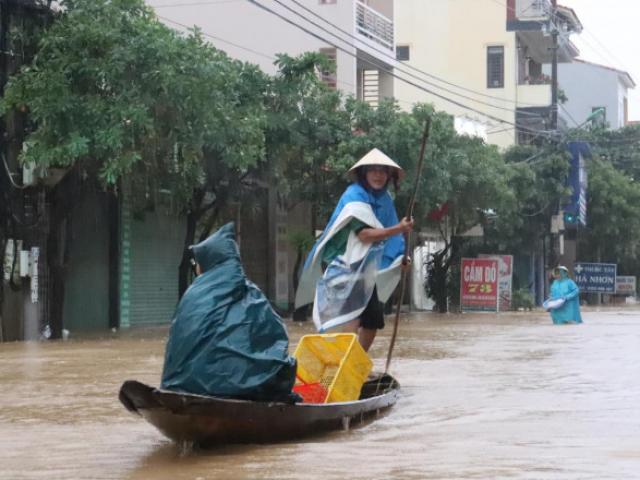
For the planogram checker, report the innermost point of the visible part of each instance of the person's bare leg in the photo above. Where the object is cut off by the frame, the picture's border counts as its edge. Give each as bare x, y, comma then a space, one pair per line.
352, 326
366, 337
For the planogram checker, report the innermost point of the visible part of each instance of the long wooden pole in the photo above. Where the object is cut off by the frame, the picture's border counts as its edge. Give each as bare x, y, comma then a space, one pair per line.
405, 258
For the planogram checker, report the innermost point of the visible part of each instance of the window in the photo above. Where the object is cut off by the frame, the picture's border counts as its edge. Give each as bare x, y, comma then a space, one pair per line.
402, 53
495, 67
329, 76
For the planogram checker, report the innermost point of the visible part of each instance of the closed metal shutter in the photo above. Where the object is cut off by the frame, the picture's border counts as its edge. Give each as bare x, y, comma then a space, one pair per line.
151, 252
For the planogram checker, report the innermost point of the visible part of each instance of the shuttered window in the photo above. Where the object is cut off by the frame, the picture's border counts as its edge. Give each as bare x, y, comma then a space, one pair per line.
495, 67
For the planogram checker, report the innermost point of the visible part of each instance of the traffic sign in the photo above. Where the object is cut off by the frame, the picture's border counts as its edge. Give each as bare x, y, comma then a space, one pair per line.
596, 277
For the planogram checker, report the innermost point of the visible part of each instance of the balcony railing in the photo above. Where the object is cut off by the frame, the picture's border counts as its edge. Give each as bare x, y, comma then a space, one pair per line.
374, 25
532, 9
536, 80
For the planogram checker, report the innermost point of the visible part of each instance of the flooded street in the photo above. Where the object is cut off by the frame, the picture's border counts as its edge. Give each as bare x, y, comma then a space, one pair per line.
483, 397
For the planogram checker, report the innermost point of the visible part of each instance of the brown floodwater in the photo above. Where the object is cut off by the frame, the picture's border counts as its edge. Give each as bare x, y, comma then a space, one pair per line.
483, 397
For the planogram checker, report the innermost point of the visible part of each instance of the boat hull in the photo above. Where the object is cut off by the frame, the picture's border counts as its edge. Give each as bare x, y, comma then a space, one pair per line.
209, 421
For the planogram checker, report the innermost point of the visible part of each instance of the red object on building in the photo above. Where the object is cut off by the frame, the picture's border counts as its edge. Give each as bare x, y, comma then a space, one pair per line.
437, 214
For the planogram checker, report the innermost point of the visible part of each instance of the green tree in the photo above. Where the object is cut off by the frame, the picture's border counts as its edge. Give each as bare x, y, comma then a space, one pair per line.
114, 93
472, 179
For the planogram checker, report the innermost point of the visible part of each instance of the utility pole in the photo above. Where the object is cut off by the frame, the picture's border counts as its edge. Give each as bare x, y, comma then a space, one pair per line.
554, 66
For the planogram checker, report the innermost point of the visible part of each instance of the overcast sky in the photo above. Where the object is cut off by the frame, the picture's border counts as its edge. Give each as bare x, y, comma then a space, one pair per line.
611, 37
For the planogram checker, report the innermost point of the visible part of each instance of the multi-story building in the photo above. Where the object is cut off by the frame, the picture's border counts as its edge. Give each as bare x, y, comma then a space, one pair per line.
492, 72
358, 34
588, 88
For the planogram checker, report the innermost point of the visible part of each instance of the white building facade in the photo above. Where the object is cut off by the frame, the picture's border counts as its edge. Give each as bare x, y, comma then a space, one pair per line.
359, 34
590, 87
490, 55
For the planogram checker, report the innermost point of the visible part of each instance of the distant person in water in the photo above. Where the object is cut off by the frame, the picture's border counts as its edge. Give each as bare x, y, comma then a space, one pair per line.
564, 302
355, 265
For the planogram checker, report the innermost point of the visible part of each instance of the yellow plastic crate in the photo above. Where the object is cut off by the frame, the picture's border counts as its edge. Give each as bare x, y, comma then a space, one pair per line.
337, 361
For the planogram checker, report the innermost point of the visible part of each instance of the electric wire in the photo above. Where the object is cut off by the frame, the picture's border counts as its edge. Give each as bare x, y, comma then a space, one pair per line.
261, 54
430, 75
524, 128
391, 73
397, 68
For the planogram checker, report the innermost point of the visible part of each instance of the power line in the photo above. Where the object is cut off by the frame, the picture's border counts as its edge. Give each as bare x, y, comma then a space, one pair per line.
430, 75
247, 49
262, 54
384, 53
382, 68
398, 68
524, 129
569, 115
194, 4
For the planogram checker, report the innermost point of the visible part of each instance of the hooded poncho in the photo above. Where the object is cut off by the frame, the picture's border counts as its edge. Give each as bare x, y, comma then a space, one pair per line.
342, 292
565, 288
225, 339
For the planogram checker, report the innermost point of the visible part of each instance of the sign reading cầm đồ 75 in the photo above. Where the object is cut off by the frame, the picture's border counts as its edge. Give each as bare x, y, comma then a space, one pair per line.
479, 284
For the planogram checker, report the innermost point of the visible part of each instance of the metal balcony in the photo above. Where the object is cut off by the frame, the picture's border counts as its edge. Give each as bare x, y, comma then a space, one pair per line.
374, 26
527, 10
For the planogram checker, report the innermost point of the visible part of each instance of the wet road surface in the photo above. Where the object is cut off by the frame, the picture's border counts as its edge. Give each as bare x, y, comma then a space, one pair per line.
483, 397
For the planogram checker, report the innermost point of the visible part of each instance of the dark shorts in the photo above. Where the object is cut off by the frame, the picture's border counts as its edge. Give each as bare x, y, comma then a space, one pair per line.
373, 315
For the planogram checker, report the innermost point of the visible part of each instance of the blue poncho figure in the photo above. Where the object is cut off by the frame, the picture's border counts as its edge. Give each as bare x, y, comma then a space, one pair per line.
355, 264
564, 303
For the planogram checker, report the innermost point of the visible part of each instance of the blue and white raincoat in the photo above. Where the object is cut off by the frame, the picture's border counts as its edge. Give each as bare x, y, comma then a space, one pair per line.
342, 292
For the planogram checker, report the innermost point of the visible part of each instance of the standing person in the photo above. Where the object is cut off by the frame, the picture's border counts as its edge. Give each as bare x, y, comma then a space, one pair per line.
567, 292
361, 252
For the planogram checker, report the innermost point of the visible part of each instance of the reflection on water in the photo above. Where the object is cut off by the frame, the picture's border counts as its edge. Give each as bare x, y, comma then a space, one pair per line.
483, 397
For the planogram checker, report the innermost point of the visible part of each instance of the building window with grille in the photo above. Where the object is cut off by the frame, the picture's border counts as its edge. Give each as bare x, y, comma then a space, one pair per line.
402, 53
495, 67
329, 76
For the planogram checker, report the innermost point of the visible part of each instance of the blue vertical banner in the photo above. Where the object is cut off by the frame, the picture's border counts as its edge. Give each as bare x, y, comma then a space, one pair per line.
576, 205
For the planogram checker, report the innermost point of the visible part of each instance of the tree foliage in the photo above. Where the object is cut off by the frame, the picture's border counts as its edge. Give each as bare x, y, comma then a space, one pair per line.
116, 90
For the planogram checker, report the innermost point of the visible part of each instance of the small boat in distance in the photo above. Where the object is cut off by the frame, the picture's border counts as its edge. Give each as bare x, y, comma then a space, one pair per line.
210, 421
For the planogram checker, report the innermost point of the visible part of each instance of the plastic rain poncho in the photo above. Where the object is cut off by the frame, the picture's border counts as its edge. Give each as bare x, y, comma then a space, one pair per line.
342, 292
226, 340
565, 288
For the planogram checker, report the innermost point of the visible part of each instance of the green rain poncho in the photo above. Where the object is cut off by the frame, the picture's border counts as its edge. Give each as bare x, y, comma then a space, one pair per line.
226, 340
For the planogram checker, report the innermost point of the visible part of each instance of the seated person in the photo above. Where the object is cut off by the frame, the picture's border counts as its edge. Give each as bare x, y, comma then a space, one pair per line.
225, 339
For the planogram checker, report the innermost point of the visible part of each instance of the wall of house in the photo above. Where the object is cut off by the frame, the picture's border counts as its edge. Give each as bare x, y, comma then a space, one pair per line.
588, 86
262, 34
385, 7
450, 39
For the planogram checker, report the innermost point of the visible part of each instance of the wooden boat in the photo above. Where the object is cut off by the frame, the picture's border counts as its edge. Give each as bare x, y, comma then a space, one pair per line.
209, 421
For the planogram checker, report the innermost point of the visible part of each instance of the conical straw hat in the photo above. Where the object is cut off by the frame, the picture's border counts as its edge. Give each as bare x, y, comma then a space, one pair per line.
376, 157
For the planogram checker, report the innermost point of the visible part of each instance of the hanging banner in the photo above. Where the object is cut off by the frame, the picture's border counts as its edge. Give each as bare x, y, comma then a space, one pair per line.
505, 279
479, 284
